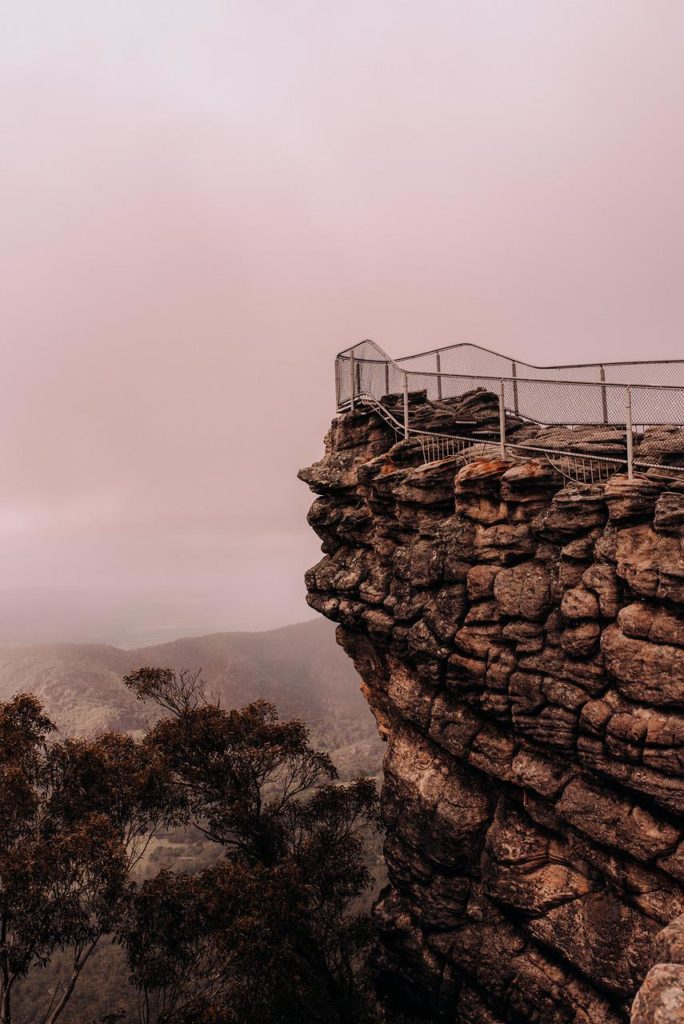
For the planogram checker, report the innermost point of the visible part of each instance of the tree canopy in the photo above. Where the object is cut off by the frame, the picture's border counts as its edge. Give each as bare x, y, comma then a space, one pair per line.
77, 815
271, 934
268, 932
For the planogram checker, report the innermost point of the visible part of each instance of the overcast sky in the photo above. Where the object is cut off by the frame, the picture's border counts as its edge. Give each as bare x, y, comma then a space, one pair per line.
203, 201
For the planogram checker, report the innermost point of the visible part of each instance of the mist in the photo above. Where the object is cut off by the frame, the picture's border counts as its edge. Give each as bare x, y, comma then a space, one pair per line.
202, 203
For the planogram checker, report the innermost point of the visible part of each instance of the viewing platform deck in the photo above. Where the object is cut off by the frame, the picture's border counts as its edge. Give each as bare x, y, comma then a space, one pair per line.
589, 420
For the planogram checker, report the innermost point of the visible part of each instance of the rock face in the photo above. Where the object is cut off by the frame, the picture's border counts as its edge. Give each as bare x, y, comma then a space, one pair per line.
521, 643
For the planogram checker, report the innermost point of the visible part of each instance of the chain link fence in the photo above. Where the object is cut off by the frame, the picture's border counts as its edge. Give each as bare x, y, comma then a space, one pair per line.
634, 414
474, 360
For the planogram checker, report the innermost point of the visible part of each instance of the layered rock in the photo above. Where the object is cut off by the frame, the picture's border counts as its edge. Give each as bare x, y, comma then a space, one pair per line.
520, 640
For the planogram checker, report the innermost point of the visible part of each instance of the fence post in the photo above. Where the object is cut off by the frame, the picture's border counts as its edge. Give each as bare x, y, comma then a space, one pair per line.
502, 420
352, 380
604, 396
337, 383
438, 360
630, 436
387, 378
406, 407
514, 374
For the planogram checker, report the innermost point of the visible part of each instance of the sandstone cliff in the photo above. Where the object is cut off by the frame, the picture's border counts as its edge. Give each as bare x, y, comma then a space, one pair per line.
521, 644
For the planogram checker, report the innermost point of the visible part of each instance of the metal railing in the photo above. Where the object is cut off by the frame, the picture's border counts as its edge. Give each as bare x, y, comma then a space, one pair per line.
641, 418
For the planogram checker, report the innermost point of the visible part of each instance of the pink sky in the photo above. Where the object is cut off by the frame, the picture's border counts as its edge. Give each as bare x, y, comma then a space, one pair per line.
202, 203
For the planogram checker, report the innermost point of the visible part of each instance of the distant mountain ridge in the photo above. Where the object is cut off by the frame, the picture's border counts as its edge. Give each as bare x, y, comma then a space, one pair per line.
300, 668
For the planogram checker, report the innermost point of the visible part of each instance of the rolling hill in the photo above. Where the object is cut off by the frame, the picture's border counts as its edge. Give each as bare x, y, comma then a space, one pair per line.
300, 668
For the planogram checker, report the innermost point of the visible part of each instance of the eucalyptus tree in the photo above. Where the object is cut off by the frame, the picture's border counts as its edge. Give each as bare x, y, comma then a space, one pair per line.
271, 932
76, 817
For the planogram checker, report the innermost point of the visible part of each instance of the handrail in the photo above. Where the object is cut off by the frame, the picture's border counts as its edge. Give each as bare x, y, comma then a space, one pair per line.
608, 384
536, 366
465, 441
384, 357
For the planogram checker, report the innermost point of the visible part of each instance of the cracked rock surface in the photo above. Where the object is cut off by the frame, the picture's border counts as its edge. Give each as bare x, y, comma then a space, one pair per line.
520, 641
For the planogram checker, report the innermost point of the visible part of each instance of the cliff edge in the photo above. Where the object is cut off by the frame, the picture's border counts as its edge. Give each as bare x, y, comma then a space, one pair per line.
520, 640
